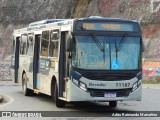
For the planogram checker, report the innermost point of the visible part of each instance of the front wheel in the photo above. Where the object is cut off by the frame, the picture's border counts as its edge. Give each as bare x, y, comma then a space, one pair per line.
59, 103
113, 104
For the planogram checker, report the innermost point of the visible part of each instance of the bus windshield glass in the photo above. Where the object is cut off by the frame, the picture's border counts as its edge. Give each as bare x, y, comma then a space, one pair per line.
100, 52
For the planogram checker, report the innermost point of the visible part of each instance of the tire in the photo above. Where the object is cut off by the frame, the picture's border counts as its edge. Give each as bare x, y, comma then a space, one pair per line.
53, 92
113, 104
25, 90
59, 103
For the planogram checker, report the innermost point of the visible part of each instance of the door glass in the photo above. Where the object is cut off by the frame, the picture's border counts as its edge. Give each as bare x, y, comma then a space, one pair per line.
23, 44
30, 44
45, 43
54, 43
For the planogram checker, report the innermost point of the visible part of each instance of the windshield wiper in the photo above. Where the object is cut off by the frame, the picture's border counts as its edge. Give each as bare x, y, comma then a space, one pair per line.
122, 41
118, 48
100, 46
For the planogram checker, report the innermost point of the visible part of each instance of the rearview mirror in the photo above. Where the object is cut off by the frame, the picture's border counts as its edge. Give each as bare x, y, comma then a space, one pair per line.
70, 44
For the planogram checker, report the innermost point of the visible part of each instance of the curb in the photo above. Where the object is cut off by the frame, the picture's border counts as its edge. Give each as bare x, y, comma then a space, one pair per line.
1, 98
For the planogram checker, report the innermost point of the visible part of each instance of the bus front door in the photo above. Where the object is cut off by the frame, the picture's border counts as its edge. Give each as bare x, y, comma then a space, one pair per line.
63, 66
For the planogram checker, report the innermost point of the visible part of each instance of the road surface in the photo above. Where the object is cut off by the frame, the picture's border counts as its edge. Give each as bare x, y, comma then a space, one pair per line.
18, 102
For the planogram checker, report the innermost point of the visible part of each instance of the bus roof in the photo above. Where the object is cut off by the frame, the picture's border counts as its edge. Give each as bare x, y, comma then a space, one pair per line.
53, 22
47, 21
107, 19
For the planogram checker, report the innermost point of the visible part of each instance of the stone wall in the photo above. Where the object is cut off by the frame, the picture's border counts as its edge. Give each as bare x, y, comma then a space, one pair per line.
5, 73
19, 13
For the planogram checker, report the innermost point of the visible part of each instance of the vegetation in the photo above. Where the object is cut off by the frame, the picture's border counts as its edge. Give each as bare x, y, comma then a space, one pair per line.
151, 80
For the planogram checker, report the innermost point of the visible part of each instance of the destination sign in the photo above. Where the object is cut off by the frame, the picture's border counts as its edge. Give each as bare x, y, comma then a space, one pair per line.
107, 26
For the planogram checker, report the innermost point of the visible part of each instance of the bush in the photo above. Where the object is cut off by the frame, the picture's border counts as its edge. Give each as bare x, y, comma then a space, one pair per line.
151, 80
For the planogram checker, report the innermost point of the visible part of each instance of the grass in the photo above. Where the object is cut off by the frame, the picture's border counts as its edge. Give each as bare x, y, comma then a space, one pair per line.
151, 80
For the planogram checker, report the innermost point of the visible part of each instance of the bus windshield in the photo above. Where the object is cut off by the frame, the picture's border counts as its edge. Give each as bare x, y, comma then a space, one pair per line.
100, 52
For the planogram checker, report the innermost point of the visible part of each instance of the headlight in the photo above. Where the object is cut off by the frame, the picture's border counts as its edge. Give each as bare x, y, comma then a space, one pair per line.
75, 77
76, 82
79, 84
139, 82
83, 86
136, 85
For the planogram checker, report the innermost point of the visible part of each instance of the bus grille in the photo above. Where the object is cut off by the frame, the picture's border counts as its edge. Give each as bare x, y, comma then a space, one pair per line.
106, 77
100, 92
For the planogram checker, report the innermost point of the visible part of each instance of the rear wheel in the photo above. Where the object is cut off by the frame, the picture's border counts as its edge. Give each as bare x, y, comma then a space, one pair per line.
25, 90
53, 91
113, 104
59, 103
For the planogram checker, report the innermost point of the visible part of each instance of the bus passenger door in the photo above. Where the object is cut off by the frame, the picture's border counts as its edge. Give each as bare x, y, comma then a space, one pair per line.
63, 66
36, 61
16, 59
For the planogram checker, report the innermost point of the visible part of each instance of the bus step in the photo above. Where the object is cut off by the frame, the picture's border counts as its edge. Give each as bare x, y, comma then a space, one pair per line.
36, 91
62, 98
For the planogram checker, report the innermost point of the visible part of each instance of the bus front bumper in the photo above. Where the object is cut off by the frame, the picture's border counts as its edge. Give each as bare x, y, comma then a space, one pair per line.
75, 93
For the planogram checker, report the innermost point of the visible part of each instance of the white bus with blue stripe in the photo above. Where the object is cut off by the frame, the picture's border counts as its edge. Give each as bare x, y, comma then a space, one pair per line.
84, 59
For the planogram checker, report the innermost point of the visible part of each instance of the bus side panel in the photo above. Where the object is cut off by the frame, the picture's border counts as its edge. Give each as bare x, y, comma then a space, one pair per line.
25, 64
28, 63
22, 63
44, 76
47, 69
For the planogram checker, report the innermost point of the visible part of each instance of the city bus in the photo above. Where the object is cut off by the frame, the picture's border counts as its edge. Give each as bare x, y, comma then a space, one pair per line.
93, 59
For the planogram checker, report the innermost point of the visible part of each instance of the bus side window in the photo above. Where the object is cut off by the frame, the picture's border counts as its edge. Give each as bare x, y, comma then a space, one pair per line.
54, 43
23, 44
45, 43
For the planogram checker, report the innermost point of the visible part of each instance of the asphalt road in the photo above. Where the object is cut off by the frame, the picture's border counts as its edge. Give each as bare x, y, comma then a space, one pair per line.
17, 102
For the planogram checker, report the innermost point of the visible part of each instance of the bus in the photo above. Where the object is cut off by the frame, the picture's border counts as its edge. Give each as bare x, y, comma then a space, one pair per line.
93, 59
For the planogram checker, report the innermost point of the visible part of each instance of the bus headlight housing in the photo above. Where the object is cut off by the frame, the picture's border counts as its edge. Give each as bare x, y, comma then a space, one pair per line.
138, 82
80, 84
76, 82
136, 85
83, 86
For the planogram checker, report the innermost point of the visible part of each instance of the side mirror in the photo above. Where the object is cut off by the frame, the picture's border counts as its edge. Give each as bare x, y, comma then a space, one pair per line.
70, 55
70, 44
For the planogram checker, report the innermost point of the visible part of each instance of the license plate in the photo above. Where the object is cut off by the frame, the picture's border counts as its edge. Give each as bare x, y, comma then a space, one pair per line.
109, 95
